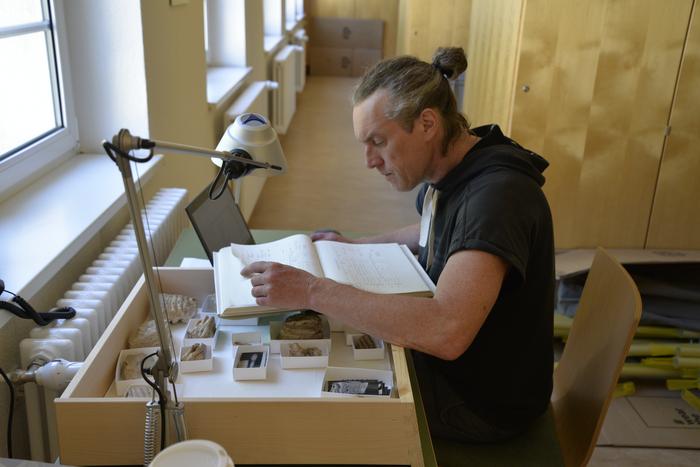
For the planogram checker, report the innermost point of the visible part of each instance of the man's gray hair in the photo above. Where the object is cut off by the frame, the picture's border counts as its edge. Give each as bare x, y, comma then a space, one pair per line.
414, 85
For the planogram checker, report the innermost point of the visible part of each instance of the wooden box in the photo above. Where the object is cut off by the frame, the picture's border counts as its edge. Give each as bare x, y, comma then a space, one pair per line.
254, 426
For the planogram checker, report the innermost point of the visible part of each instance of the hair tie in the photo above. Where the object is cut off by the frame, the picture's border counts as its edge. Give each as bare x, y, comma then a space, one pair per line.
444, 72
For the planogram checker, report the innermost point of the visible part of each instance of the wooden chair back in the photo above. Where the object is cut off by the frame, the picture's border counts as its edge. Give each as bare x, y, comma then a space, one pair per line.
600, 336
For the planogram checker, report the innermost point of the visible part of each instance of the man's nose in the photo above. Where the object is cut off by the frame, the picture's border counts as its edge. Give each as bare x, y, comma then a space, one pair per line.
372, 160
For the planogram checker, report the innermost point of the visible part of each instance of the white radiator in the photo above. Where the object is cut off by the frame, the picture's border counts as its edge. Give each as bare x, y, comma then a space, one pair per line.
284, 97
96, 297
300, 40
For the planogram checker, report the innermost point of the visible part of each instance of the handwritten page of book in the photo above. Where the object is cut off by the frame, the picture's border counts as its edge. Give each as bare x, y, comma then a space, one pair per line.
378, 268
296, 250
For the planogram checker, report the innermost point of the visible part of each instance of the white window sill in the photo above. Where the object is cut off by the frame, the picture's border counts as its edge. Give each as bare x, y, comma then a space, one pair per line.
294, 24
223, 82
271, 43
47, 223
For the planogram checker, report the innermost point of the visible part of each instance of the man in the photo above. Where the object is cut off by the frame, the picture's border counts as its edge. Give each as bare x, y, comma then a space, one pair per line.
482, 345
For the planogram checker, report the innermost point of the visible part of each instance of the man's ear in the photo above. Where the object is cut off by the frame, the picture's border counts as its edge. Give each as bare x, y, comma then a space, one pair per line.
429, 123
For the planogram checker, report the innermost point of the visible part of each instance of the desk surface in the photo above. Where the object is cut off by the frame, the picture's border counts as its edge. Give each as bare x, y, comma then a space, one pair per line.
188, 245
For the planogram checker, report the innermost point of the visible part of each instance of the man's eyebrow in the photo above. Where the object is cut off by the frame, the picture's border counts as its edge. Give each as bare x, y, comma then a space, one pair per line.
369, 137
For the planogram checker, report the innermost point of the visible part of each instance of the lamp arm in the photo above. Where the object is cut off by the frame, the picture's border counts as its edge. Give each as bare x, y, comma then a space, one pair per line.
126, 142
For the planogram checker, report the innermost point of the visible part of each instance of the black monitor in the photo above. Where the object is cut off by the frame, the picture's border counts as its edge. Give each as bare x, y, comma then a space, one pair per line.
218, 222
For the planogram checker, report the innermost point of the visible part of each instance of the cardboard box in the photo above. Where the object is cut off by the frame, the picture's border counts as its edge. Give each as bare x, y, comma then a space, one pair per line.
377, 353
651, 418
327, 61
210, 341
288, 361
246, 338
344, 46
256, 368
346, 33
338, 374
123, 385
362, 59
275, 327
194, 366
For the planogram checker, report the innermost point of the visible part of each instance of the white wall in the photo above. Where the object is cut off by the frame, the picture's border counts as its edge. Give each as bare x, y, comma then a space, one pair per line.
109, 82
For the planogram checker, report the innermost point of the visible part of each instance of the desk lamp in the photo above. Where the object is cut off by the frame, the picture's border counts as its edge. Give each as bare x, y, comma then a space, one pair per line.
249, 143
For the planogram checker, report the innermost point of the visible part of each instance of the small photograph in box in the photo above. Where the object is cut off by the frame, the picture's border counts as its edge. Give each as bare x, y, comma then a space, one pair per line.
196, 357
250, 362
357, 382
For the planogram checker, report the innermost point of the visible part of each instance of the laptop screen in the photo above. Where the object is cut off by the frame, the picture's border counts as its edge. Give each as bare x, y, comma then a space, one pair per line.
218, 222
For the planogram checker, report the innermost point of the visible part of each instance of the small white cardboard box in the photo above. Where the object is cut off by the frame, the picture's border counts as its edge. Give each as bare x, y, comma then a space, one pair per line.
246, 338
275, 327
250, 362
193, 366
122, 385
288, 361
343, 374
210, 341
377, 353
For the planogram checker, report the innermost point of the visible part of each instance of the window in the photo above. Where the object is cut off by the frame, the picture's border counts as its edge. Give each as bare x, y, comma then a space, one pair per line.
36, 123
273, 27
225, 48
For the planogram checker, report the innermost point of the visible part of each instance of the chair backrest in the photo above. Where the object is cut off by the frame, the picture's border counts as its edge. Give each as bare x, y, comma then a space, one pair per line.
600, 336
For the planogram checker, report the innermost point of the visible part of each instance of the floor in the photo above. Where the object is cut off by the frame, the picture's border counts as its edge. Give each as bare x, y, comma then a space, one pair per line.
328, 186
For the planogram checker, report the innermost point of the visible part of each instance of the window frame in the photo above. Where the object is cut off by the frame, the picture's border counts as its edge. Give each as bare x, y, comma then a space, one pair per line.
34, 160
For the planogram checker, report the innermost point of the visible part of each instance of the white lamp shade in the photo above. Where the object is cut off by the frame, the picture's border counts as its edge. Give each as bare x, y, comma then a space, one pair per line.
253, 133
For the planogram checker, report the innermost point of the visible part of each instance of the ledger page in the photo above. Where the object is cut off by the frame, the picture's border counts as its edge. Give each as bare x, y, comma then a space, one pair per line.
296, 250
374, 267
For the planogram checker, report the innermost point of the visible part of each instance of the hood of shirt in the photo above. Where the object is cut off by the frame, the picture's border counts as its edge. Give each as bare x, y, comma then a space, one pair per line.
502, 154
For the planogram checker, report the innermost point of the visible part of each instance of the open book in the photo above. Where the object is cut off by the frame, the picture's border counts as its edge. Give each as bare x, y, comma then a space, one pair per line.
387, 268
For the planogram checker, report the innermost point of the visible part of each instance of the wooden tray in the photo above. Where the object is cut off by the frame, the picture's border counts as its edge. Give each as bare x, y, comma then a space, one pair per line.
96, 428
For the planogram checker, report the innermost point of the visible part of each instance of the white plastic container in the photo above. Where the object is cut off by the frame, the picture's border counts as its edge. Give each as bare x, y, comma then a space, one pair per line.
194, 452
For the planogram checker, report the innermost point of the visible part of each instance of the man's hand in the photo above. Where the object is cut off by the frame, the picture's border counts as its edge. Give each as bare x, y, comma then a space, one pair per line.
333, 235
279, 285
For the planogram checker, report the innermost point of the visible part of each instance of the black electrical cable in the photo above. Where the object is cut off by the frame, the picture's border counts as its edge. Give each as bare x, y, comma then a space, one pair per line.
11, 414
161, 399
110, 149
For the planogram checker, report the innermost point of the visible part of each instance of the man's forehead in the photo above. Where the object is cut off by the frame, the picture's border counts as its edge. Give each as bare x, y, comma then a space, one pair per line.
369, 115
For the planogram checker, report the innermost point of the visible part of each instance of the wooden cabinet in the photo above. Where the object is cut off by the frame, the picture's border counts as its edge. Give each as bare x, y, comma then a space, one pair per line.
675, 217
594, 87
593, 92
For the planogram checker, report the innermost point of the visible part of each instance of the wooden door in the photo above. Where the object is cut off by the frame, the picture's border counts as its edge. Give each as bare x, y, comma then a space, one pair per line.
594, 88
427, 25
675, 218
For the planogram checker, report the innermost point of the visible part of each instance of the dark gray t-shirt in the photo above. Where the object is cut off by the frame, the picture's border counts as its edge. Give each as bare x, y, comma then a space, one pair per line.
493, 202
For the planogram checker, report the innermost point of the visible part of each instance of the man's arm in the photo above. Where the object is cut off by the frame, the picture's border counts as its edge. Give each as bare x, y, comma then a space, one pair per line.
443, 326
406, 235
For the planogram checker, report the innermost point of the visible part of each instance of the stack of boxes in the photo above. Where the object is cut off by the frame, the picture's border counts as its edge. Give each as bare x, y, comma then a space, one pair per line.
344, 46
